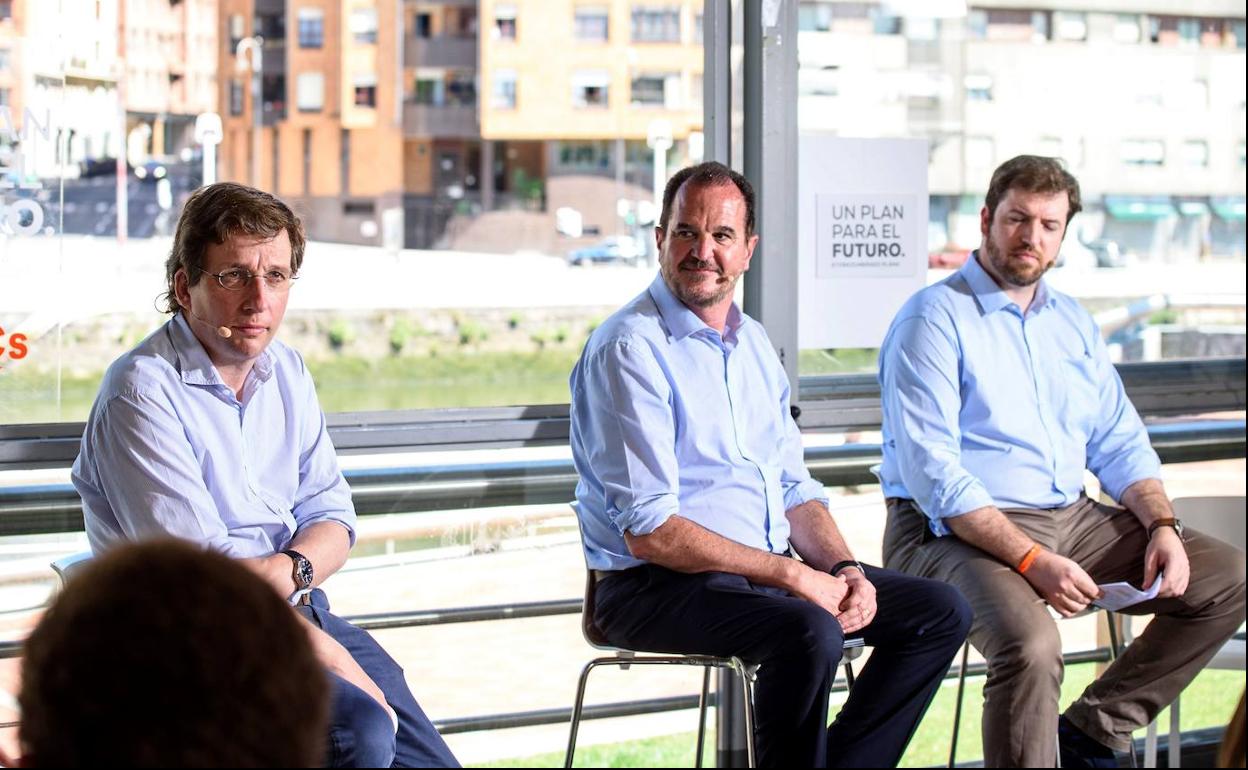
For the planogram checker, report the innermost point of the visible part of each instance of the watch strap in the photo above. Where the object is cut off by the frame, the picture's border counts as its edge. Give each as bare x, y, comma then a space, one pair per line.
846, 564
1168, 521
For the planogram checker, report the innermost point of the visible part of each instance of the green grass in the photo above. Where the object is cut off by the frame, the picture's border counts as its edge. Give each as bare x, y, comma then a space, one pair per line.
1208, 702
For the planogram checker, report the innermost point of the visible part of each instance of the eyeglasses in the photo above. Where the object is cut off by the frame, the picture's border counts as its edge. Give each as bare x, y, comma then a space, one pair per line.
237, 279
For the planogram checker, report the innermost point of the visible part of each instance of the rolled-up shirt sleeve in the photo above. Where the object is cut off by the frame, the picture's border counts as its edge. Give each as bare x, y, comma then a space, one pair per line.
1119, 450
795, 477
149, 474
625, 406
323, 493
921, 401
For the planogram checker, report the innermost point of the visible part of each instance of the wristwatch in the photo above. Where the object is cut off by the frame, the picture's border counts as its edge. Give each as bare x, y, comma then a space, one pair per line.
1170, 521
840, 566
302, 570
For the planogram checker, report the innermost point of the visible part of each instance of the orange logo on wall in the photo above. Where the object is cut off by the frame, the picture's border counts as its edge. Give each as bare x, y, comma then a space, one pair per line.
13, 347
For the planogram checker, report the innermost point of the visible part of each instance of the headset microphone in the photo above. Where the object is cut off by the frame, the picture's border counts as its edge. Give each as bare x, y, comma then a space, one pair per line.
224, 332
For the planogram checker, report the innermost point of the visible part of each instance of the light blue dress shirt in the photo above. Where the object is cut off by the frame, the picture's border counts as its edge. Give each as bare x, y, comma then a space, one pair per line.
985, 406
669, 417
169, 451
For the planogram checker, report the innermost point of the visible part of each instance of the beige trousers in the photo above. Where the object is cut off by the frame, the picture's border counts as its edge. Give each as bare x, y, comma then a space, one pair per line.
1018, 637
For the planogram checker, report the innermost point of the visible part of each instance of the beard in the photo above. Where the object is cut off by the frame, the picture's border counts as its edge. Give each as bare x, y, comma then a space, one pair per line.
1016, 272
697, 295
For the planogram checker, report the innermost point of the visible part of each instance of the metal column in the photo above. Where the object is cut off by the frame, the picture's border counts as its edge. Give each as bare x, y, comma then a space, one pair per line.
770, 159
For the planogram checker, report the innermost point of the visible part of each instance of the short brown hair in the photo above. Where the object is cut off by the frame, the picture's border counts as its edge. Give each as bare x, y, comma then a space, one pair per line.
709, 174
1034, 174
214, 213
165, 655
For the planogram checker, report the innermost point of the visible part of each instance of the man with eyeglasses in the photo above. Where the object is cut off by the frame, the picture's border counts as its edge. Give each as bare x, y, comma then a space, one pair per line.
210, 431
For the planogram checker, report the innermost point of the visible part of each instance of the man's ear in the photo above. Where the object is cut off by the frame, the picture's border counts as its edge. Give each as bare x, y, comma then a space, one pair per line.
750, 245
182, 289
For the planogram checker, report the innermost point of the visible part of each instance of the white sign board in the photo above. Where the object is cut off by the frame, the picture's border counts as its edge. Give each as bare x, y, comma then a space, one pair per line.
862, 220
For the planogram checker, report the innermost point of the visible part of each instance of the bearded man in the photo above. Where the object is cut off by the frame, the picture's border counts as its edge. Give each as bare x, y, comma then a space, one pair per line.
998, 393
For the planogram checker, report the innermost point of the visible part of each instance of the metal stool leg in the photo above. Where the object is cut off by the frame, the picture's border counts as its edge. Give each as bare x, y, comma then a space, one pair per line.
577, 707
747, 692
957, 704
849, 674
1114, 651
702, 704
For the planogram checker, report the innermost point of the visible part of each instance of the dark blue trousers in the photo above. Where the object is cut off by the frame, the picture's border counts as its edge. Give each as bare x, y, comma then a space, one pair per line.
920, 626
360, 731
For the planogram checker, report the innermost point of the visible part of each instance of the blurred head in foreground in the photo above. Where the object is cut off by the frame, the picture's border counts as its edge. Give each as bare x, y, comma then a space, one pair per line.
164, 655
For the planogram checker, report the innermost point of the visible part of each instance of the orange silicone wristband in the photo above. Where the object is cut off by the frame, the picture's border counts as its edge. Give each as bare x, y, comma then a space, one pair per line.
1029, 559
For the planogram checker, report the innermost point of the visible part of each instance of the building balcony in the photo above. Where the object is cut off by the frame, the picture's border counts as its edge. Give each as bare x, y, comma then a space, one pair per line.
452, 120
440, 52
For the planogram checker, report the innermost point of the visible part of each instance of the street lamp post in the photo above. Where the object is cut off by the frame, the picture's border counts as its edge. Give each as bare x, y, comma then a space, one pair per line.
254, 44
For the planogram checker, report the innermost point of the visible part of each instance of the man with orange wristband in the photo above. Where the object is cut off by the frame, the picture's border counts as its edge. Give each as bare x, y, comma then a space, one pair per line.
997, 394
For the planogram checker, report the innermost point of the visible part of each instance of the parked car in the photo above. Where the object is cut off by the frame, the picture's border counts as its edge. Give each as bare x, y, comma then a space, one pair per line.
99, 167
615, 248
151, 171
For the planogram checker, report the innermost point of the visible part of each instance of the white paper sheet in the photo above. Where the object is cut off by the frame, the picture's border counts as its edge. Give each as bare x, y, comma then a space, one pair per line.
1118, 596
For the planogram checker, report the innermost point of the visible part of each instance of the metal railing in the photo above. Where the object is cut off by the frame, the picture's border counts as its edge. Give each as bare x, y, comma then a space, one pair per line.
832, 403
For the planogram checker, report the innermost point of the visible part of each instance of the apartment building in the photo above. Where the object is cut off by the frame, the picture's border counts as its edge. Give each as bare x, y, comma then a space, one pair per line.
170, 53
326, 133
56, 80
425, 115
1144, 101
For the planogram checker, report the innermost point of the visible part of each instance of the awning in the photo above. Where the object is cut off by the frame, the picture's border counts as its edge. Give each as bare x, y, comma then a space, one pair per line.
1139, 208
1231, 208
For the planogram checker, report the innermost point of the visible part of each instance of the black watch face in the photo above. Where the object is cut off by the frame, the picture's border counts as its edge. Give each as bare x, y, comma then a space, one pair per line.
304, 571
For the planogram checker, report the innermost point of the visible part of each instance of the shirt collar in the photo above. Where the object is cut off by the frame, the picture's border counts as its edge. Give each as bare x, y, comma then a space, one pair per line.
992, 297
195, 365
681, 322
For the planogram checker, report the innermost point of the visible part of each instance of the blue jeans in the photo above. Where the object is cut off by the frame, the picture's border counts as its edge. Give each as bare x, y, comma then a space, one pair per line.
360, 731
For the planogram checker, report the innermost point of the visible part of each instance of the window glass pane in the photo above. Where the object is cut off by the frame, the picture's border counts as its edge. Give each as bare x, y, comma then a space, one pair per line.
959, 78
591, 23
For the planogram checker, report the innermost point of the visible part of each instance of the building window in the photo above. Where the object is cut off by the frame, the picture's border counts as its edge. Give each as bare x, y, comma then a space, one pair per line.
364, 25
589, 88
584, 156
273, 96
1236, 30
365, 90
310, 91
461, 87
5, 97
1196, 153
591, 23
656, 90
236, 97
271, 26
5, 59
428, 90
1189, 33
423, 26
311, 27
1142, 152
978, 88
238, 30
1071, 26
503, 90
505, 22
1127, 28
6, 9
656, 25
